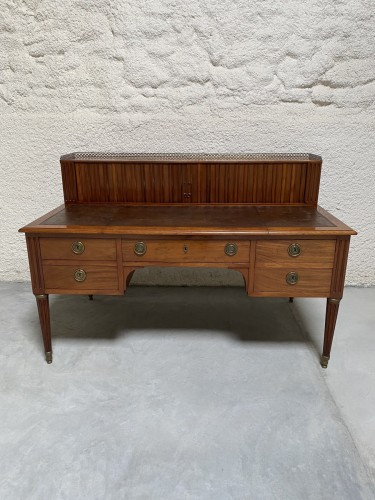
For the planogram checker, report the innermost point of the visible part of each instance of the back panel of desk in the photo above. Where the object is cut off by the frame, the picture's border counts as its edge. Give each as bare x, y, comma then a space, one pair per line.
286, 180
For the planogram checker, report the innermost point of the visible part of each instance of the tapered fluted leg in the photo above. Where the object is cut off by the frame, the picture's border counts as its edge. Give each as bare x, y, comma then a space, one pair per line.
45, 324
329, 330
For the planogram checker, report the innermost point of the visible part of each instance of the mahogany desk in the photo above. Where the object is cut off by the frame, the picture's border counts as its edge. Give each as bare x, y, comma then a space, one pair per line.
254, 213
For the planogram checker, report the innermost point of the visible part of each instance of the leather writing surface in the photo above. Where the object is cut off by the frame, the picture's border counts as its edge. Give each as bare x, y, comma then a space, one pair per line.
185, 216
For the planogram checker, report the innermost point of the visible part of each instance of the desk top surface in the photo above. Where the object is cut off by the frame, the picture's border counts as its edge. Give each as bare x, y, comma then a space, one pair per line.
188, 220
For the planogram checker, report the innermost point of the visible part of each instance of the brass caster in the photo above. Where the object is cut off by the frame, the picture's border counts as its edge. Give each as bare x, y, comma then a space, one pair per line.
91, 297
324, 361
49, 357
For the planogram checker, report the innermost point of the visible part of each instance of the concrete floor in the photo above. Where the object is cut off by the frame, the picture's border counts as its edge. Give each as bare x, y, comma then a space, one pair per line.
186, 393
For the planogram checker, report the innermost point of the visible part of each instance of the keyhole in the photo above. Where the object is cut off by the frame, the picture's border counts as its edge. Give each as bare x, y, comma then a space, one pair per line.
185, 248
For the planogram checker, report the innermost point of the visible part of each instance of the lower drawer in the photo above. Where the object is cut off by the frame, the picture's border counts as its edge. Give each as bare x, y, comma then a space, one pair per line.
86, 277
293, 283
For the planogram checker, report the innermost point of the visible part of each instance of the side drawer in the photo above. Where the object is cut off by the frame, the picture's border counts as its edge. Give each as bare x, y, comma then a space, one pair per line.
80, 277
185, 251
305, 282
78, 248
301, 253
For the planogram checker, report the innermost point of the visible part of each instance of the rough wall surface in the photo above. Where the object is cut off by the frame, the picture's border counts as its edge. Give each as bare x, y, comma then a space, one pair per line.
176, 76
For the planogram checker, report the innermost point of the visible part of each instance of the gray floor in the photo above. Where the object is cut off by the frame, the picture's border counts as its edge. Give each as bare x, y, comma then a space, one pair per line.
186, 393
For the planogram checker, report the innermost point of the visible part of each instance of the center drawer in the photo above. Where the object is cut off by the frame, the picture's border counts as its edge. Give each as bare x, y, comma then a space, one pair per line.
185, 251
78, 249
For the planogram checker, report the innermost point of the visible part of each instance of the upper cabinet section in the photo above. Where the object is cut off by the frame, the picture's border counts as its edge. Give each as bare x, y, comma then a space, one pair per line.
286, 179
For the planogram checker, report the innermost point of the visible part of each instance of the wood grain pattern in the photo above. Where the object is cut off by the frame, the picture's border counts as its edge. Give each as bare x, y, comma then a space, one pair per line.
112, 219
80, 263
95, 249
99, 277
332, 310
312, 183
44, 319
158, 183
215, 182
69, 181
185, 251
311, 282
341, 258
251, 270
35, 266
128, 273
314, 253
245, 274
93, 182
120, 268
83, 291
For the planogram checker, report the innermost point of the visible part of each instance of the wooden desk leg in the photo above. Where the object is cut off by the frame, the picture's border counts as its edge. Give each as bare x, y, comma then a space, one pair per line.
45, 324
329, 329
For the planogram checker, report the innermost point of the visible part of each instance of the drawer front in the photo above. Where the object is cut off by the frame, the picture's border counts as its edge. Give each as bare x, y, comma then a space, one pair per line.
78, 248
299, 253
185, 251
84, 277
293, 282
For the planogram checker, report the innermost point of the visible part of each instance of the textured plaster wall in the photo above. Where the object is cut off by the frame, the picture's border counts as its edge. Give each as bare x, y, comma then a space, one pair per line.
212, 76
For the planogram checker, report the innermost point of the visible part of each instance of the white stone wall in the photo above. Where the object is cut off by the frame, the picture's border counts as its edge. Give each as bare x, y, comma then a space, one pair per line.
170, 75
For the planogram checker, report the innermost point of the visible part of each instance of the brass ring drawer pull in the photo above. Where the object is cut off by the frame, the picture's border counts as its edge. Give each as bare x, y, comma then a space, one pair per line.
140, 248
294, 250
230, 249
80, 275
78, 247
292, 278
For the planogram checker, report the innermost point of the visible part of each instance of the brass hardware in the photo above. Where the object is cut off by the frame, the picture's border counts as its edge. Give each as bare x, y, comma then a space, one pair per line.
294, 250
185, 248
49, 357
291, 278
334, 301
324, 361
41, 296
78, 247
80, 275
140, 248
187, 190
230, 249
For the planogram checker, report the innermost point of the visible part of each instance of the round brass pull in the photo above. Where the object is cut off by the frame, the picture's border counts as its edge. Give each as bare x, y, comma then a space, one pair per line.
292, 278
294, 250
140, 248
78, 247
230, 249
80, 275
